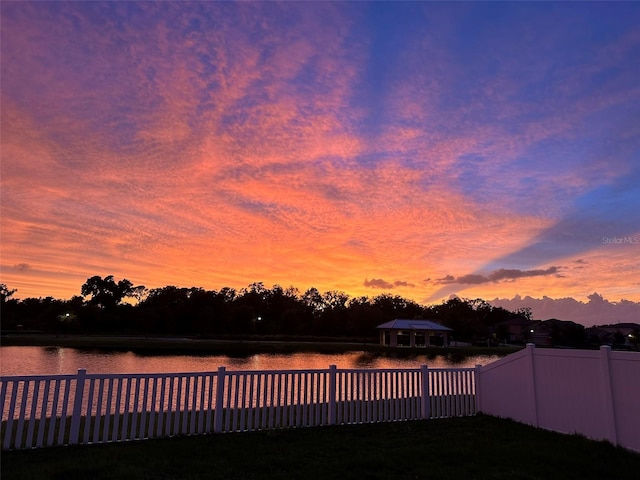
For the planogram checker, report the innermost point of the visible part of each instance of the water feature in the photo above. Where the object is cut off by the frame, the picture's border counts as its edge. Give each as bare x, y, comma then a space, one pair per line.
59, 360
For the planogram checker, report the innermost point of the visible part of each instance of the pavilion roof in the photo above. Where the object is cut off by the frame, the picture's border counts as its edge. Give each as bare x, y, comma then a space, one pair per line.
406, 324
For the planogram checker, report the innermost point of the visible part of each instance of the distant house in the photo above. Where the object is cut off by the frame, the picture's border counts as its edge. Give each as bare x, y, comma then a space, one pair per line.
521, 330
515, 330
622, 333
413, 333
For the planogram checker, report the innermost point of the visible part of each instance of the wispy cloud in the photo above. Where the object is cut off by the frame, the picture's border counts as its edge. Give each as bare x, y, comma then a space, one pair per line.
383, 284
503, 274
312, 144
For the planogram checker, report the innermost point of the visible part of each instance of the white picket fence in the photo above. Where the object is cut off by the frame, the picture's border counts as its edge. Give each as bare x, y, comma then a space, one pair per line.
42, 411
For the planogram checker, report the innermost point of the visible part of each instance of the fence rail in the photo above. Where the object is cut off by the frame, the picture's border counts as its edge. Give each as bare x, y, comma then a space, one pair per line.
42, 411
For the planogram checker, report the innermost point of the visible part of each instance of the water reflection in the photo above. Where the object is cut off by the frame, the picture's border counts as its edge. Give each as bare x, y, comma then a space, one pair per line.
58, 360
366, 360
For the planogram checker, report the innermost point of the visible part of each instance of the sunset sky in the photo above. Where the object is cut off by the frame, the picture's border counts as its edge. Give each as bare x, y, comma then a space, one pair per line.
420, 149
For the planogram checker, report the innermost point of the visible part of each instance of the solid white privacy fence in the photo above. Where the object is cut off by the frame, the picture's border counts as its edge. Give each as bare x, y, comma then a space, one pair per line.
39, 411
594, 393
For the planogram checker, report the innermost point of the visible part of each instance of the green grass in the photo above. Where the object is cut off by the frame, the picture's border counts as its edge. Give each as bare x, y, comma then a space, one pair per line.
479, 447
162, 424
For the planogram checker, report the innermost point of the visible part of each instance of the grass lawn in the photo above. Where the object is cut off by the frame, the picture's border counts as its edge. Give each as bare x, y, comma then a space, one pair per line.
479, 447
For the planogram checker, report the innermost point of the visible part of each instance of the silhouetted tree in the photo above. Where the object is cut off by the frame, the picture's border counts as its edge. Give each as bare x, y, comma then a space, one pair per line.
5, 293
167, 310
105, 292
313, 302
253, 310
524, 312
139, 293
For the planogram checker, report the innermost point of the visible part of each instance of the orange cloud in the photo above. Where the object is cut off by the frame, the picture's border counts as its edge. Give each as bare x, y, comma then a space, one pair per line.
221, 144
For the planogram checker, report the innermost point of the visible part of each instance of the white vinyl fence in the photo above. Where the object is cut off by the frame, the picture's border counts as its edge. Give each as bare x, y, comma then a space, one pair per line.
593, 393
40, 411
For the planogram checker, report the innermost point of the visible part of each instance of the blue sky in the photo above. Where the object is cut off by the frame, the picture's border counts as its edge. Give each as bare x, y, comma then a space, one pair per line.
357, 146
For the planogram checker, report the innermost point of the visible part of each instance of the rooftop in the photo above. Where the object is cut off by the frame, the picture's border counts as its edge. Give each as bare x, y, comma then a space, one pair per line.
405, 324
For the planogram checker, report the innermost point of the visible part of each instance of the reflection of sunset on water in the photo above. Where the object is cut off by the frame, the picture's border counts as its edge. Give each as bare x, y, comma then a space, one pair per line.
44, 361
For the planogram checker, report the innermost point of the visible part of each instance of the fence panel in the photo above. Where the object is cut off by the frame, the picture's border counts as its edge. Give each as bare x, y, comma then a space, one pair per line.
39, 411
594, 393
625, 388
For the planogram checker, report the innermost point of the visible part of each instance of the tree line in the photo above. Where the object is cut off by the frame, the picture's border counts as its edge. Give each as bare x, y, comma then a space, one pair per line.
101, 307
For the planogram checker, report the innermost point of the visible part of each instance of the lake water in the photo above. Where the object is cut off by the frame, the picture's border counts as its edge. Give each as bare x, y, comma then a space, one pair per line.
58, 360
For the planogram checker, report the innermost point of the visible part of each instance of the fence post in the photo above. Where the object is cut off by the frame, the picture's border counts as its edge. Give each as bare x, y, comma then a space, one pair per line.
478, 387
607, 393
425, 400
217, 419
332, 394
532, 384
77, 408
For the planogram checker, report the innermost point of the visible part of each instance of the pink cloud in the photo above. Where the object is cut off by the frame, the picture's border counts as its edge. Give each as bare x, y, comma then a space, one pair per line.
596, 311
200, 157
384, 285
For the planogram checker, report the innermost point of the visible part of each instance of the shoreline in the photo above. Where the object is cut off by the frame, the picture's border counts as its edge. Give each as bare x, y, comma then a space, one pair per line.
173, 345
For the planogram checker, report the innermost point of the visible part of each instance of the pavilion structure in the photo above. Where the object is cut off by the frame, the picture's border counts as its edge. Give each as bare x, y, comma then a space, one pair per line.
413, 333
